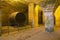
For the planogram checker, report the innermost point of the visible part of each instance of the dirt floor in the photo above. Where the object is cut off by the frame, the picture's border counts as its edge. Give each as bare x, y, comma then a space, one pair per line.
38, 33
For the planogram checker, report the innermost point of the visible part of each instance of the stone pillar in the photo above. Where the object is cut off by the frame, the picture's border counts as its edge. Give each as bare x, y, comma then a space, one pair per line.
49, 19
49, 22
33, 14
30, 13
36, 15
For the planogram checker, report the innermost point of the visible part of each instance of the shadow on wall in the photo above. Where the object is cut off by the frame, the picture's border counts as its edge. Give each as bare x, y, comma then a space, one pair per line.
40, 18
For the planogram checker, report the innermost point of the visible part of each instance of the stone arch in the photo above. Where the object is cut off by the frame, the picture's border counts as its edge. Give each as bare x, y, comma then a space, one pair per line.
17, 19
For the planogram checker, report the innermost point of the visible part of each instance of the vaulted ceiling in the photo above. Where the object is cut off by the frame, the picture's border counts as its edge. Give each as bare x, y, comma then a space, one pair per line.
17, 5
14, 5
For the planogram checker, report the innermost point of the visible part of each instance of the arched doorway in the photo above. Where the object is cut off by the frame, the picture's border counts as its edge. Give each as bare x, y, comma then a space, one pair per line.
17, 19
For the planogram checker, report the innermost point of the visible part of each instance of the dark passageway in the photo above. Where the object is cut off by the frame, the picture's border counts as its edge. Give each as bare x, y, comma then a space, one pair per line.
40, 18
17, 19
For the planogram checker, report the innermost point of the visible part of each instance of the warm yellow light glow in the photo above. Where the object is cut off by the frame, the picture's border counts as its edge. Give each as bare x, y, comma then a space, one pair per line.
15, 1
36, 16
30, 12
57, 16
34, 1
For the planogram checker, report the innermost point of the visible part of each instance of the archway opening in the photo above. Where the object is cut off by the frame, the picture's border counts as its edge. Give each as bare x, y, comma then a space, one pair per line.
17, 19
40, 18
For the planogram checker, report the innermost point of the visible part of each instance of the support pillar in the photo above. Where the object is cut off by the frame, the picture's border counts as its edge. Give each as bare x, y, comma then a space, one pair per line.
36, 15
33, 14
49, 19
30, 13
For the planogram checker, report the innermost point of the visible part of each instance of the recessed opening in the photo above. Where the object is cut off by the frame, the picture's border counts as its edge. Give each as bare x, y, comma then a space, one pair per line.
18, 19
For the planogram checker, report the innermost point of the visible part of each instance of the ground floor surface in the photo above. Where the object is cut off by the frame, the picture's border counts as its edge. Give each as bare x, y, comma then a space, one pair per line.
38, 33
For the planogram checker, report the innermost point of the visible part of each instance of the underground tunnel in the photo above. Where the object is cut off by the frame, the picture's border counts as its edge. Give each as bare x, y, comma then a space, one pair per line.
17, 19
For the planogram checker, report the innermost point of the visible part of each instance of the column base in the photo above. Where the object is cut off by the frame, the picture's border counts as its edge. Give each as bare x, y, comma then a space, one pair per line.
49, 30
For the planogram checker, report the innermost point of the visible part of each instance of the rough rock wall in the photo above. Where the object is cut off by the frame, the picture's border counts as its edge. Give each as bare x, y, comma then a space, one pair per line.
8, 8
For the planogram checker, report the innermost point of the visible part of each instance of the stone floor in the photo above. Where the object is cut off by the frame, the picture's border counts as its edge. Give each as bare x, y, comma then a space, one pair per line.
33, 34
